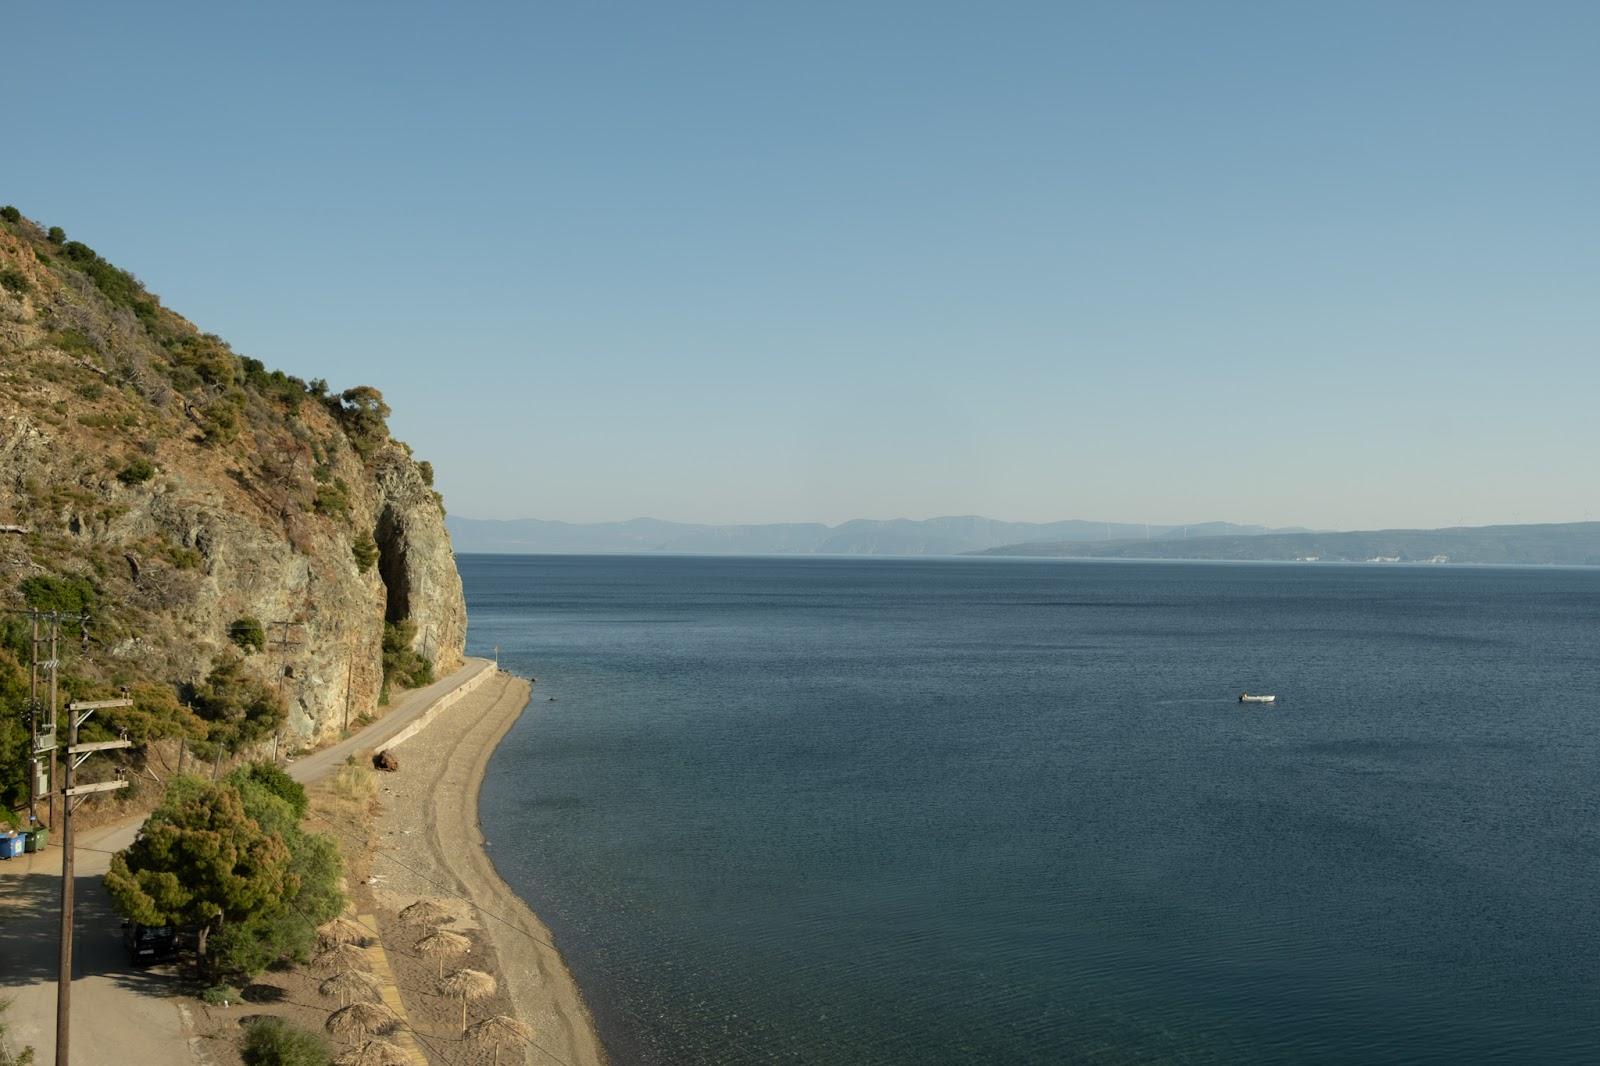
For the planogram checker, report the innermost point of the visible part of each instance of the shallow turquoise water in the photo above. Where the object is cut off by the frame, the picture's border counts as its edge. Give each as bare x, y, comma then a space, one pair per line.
928, 811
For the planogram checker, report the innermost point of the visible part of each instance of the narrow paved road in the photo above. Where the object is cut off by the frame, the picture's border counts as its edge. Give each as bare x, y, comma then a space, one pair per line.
121, 1015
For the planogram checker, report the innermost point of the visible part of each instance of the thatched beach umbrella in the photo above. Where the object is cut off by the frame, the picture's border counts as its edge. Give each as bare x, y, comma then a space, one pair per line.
342, 930
500, 1030
467, 984
352, 985
362, 1018
426, 912
374, 1053
442, 944
343, 957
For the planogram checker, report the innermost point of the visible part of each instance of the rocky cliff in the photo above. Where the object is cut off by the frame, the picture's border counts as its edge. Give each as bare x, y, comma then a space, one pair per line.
182, 493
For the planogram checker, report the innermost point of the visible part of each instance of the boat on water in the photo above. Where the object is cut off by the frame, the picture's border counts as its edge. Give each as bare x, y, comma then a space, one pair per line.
1245, 697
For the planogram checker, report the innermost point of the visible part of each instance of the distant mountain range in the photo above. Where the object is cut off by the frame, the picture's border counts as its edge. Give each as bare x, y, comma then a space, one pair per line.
1565, 543
901, 536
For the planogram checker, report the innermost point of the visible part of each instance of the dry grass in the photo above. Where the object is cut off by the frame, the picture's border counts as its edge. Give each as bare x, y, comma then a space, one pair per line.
355, 783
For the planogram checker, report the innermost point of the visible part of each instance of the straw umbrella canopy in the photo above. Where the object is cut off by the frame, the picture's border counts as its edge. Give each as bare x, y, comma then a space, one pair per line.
342, 957
341, 930
360, 1018
441, 944
426, 912
351, 985
374, 1053
467, 984
498, 1030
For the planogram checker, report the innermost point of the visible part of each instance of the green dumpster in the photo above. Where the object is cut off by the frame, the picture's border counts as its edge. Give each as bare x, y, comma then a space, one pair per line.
36, 839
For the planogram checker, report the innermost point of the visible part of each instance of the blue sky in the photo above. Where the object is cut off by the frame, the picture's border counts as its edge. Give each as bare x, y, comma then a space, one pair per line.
1296, 263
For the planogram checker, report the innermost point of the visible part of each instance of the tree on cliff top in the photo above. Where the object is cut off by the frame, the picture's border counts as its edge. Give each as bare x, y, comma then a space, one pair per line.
364, 416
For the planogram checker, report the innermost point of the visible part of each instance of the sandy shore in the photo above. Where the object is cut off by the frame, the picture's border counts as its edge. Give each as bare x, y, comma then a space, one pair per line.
428, 846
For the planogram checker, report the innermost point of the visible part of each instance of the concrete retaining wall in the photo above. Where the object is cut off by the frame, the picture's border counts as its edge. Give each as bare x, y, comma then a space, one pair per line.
449, 699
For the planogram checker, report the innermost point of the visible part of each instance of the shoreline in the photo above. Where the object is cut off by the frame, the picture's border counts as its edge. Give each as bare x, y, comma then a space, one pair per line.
434, 797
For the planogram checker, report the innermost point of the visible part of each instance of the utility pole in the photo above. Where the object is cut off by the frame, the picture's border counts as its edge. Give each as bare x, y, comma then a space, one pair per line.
77, 714
283, 644
42, 727
55, 663
33, 726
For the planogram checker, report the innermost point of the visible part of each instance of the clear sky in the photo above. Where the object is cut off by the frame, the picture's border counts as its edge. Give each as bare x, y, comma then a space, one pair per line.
1332, 264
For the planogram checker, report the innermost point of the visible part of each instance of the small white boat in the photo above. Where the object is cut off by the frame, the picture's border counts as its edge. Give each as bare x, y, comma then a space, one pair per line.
1245, 697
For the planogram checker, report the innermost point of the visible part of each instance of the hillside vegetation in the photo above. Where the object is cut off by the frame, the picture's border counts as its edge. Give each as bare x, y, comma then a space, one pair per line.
255, 555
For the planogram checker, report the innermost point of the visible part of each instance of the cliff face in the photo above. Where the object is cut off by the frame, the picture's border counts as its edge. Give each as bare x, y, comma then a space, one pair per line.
189, 489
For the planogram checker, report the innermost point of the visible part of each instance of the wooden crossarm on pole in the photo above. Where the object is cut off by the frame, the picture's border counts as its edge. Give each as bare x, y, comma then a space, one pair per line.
99, 745
101, 786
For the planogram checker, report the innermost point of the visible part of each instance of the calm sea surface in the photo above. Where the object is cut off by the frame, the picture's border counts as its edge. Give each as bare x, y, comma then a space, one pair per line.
820, 810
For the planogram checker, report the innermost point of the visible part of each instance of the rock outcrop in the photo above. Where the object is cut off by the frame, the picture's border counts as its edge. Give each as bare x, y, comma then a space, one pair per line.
193, 489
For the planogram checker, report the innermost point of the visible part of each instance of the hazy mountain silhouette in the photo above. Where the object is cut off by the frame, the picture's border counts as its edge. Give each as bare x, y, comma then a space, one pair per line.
900, 536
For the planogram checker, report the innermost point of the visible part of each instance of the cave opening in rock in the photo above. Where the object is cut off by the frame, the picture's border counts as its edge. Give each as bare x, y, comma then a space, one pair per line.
392, 567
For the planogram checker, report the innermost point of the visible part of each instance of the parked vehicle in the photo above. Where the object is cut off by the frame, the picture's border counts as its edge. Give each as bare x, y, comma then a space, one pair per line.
149, 944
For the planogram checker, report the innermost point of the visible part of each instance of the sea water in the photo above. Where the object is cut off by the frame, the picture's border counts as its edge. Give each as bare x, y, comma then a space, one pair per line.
821, 810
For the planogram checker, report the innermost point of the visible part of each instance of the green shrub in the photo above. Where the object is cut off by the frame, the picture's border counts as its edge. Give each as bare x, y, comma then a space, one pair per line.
73, 342
10, 213
239, 709
221, 419
182, 557
118, 286
207, 356
273, 384
274, 1042
426, 469
275, 781
69, 594
57, 235
333, 500
247, 632
218, 995
14, 741
14, 280
155, 713
401, 664
137, 472
288, 929
365, 549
